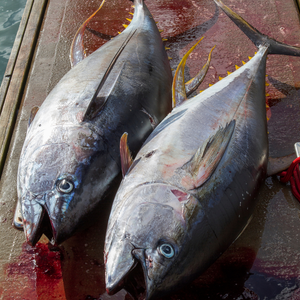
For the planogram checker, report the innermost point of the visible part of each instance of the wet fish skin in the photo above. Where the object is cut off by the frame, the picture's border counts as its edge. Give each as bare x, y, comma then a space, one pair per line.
179, 192
74, 137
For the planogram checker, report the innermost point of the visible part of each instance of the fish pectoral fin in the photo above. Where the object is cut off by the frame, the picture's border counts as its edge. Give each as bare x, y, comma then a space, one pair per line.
279, 164
126, 158
192, 85
178, 86
206, 159
33, 112
77, 52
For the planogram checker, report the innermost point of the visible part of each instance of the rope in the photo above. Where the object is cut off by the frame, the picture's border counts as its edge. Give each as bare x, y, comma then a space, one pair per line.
292, 175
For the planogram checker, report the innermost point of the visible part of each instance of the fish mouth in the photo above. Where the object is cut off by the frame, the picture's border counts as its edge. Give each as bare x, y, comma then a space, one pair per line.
133, 282
36, 224
126, 269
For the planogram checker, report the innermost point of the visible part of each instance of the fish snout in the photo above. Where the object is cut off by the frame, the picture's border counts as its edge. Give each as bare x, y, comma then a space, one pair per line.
118, 263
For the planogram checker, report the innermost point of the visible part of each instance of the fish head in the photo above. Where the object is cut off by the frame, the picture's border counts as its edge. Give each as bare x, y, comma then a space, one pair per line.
57, 184
147, 248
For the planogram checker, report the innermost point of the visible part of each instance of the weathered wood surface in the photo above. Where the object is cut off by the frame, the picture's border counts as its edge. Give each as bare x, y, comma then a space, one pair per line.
12, 87
265, 262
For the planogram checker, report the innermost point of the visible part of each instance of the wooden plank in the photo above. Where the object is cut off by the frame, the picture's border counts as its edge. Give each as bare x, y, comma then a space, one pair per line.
14, 52
17, 71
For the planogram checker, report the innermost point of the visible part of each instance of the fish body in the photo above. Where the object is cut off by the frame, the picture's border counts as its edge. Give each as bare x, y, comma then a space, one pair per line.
192, 187
70, 156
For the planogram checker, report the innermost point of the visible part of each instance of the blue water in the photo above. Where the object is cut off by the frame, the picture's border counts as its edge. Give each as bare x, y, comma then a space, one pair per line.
10, 16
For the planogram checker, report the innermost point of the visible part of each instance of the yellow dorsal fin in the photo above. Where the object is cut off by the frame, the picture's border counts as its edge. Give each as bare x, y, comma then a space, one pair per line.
229, 72
243, 62
128, 19
125, 26
237, 67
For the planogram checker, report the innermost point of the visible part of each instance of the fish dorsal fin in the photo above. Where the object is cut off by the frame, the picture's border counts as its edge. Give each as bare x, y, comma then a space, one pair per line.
206, 159
178, 87
33, 112
77, 52
103, 90
192, 85
126, 158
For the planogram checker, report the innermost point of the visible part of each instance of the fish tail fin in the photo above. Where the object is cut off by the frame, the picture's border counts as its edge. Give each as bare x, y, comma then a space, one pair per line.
257, 38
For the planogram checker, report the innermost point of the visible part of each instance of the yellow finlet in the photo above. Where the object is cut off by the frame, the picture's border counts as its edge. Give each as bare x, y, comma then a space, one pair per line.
169, 58
125, 26
210, 84
200, 91
237, 67
164, 40
267, 75
160, 30
220, 78
249, 57
229, 72
156, 22
167, 48
267, 84
267, 94
255, 52
133, 6
172, 69
119, 32
131, 13
243, 62
128, 19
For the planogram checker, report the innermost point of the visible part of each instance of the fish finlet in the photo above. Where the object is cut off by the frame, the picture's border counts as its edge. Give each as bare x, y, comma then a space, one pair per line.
128, 19
164, 40
243, 62
210, 84
220, 78
131, 13
160, 30
169, 58
125, 26
267, 84
229, 72
237, 67
249, 57
167, 48
267, 94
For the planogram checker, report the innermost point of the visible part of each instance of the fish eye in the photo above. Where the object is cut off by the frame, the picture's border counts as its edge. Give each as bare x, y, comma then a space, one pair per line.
166, 250
65, 186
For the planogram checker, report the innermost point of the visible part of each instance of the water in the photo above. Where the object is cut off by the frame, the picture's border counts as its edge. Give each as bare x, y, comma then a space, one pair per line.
10, 16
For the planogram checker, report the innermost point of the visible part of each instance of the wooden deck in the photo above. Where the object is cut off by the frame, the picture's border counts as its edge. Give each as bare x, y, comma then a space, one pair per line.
264, 263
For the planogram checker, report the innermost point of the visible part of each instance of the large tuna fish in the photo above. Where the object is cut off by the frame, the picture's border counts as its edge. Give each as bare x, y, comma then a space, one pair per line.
70, 157
192, 188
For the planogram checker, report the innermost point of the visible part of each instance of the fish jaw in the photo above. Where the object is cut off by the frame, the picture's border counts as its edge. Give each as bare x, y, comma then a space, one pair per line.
135, 237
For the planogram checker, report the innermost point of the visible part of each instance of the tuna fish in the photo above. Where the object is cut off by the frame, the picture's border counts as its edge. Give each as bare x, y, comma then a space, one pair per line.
70, 158
192, 188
